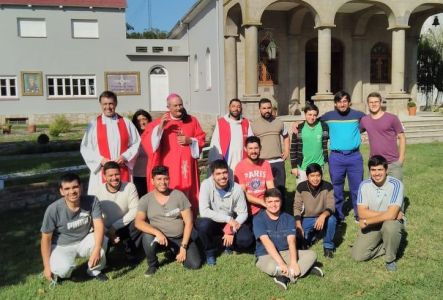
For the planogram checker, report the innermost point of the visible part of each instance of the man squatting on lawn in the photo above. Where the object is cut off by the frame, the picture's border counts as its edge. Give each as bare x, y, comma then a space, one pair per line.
67, 232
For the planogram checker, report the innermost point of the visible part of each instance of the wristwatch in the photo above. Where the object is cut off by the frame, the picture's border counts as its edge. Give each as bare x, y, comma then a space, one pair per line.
184, 246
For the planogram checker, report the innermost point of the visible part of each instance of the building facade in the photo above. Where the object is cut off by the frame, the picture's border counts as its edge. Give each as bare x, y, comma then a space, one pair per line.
293, 51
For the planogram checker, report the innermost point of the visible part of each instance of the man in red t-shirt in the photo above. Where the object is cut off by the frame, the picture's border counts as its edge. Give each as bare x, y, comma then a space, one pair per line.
254, 175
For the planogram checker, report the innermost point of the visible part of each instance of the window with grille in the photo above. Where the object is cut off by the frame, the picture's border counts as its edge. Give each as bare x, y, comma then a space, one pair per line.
75, 86
8, 87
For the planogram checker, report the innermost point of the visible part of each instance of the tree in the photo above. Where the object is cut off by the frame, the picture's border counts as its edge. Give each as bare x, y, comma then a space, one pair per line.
430, 65
153, 33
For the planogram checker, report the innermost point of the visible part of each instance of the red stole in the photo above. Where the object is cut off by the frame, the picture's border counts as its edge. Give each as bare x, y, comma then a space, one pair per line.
103, 146
224, 130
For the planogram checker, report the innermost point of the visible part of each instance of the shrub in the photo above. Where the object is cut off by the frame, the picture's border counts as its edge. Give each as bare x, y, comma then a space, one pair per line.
43, 139
59, 125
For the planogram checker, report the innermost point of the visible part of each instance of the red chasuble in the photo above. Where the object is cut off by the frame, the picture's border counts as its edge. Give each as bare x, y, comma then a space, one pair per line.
224, 129
103, 147
183, 169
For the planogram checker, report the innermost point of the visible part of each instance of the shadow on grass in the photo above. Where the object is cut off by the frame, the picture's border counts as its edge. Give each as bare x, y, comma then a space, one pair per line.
403, 245
20, 245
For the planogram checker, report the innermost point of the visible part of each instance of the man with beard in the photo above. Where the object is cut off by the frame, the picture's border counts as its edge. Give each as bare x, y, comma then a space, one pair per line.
229, 137
270, 131
175, 141
119, 201
345, 157
223, 213
383, 130
254, 175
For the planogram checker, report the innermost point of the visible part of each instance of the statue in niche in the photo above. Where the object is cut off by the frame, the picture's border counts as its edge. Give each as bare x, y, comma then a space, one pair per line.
268, 62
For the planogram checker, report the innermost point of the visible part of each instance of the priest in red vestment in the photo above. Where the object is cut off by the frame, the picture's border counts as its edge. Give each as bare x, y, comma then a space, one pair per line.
175, 140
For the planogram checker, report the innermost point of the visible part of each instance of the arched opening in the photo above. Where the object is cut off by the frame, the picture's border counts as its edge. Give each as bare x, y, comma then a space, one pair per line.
158, 88
311, 68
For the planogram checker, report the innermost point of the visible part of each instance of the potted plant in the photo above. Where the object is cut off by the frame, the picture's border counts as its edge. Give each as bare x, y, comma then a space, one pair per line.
412, 108
6, 128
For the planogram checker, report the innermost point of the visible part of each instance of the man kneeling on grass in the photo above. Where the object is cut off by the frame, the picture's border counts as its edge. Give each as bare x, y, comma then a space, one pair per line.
73, 227
119, 201
276, 250
314, 208
223, 213
165, 218
380, 200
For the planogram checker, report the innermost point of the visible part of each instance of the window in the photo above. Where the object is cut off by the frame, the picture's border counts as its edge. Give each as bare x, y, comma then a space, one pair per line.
208, 70
157, 49
380, 63
31, 27
86, 29
71, 86
196, 74
8, 87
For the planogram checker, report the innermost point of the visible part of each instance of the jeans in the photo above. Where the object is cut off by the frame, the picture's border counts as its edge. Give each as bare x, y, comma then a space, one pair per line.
341, 165
192, 261
211, 233
328, 231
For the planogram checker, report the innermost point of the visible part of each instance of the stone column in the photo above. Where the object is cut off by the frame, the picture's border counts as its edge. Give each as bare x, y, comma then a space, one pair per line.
294, 73
251, 61
397, 98
357, 69
324, 61
323, 98
398, 61
230, 67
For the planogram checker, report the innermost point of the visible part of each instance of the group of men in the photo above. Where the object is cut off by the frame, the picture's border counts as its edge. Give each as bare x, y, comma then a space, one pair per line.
243, 201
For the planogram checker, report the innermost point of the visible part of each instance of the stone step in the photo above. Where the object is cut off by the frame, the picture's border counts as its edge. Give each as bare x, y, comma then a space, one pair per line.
424, 139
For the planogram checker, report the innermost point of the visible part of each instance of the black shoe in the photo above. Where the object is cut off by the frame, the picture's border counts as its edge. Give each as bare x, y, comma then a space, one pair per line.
101, 277
329, 253
150, 271
282, 282
315, 270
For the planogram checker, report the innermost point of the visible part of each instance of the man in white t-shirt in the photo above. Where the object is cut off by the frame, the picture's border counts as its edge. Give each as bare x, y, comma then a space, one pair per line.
119, 201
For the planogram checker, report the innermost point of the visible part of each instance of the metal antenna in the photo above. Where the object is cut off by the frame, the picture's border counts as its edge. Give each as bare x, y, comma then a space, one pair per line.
149, 15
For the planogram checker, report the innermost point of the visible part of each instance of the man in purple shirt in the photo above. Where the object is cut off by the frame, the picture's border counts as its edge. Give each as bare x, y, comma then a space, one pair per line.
383, 131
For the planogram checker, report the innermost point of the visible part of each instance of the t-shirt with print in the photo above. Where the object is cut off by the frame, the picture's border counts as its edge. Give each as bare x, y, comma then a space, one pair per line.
167, 217
277, 230
254, 177
67, 226
382, 135
312, 145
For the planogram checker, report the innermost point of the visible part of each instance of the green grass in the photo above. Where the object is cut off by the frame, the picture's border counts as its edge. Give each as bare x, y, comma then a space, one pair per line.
19, 133
419, 275
39, 162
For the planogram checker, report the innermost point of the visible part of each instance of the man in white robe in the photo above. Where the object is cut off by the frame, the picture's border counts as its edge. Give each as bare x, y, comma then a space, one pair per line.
228, 138
109, 137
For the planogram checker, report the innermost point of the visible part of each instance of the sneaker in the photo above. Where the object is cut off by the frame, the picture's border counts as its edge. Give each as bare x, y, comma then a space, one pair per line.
101, 277
329, 253
211, 261
315, 270
391, 267
282, 282
150, 271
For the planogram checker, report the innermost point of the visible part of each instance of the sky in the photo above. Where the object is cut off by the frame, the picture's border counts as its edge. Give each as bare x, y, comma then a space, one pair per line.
165, 13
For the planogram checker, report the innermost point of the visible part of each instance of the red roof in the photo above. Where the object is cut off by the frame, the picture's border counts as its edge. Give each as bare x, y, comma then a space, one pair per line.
77, 3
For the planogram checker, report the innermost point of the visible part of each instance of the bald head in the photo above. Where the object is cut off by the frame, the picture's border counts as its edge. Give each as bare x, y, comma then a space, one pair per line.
175, 105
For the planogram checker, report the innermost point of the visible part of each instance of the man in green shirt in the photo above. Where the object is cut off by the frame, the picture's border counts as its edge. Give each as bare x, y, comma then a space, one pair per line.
309, 143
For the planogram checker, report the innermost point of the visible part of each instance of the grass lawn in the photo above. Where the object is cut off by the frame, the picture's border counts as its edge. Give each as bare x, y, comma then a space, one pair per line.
39, 162
419, 275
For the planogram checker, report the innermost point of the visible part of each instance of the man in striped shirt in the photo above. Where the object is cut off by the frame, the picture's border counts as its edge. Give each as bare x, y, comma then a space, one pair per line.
380, 202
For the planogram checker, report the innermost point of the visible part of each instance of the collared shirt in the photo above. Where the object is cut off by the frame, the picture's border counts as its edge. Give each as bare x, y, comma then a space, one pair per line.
379, 198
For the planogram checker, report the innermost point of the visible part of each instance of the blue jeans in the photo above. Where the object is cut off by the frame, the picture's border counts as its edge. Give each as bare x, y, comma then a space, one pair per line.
328, 231
341, 165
